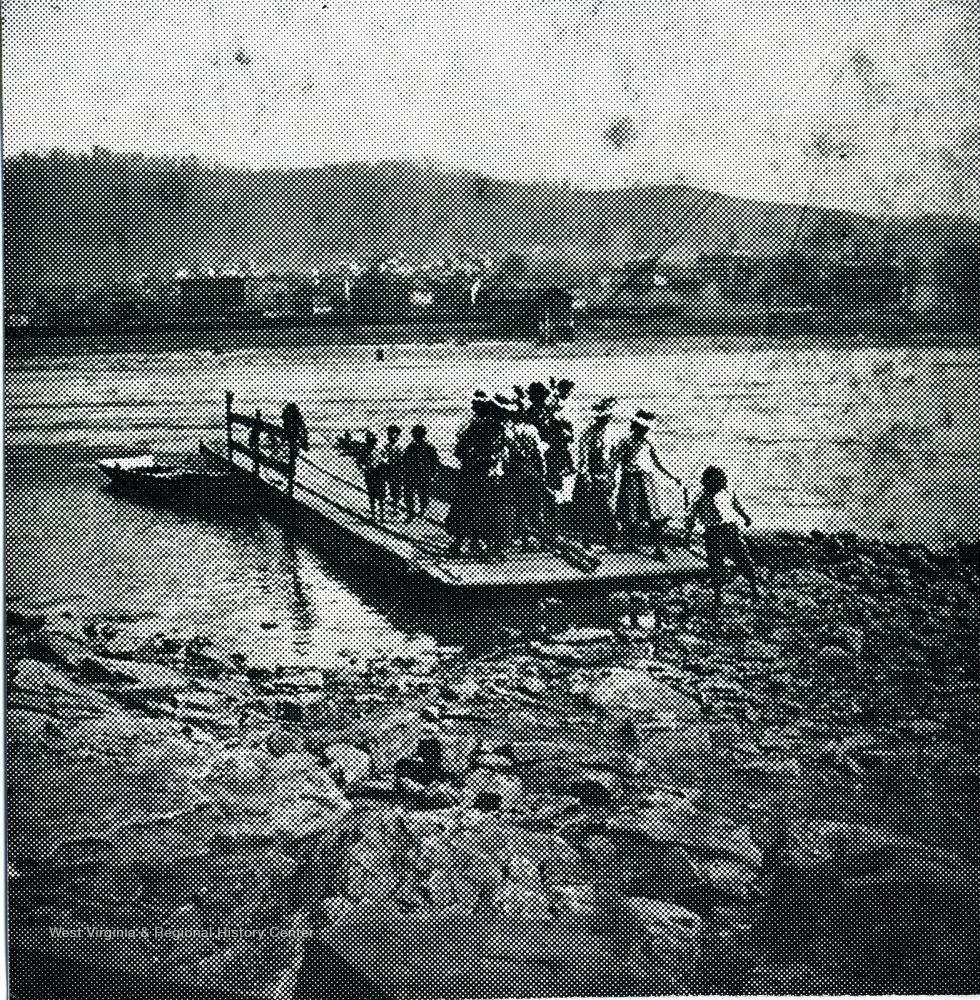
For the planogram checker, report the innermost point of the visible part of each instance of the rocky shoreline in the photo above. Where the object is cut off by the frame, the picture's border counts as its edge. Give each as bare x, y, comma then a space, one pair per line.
779, 799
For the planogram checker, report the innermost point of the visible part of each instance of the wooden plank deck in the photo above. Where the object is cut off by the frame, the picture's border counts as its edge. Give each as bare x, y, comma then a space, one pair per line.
327, 485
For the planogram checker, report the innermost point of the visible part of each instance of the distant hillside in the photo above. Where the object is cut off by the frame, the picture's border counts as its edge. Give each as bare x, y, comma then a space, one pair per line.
92, 219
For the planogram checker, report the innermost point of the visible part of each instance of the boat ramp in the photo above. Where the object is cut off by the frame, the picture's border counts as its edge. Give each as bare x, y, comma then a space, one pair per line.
320, 494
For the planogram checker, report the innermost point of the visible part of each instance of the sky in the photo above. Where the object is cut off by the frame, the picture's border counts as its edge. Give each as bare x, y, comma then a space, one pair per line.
867, 106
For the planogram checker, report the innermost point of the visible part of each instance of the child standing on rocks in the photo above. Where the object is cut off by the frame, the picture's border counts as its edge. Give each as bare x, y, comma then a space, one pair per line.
718, 510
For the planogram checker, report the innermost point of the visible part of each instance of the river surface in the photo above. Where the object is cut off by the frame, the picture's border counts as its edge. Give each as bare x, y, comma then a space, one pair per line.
883, 440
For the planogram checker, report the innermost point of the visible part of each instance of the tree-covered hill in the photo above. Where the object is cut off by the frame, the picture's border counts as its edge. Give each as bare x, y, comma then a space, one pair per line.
94, 219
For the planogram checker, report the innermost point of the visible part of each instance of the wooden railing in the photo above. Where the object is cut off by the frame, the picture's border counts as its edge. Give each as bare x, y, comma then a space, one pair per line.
253, 449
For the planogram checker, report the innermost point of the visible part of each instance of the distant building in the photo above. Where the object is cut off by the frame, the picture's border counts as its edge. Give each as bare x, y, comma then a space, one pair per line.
541, 290
382, 292
206, 297
643, 287
959, 272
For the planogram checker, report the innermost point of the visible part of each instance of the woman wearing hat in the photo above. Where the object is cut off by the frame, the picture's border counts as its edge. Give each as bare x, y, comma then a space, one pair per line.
592, 500
638, 501
555, 432
464, 507
478, 508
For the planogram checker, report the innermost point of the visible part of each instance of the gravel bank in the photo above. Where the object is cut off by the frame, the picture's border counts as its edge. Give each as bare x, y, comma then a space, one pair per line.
779, 799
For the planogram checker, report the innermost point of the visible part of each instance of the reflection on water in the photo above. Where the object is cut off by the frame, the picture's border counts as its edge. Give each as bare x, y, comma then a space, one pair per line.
232, 577
882, 440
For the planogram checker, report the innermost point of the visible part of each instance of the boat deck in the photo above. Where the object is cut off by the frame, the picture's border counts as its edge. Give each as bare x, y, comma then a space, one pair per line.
327, 486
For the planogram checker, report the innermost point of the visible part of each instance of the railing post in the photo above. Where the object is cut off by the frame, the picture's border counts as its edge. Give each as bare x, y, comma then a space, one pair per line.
255, 441
229, 396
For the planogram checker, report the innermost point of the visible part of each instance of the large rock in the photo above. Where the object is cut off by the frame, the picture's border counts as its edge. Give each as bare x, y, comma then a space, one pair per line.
181, 935
29, 732
698, 833
594, 789
149, 767
302, 707
565, 654
882, 912
287, 796
348, 764
664, 943
627, 693
146, 676
490, 791
583, 636
62, 648
40, 687
23, 621
455, 954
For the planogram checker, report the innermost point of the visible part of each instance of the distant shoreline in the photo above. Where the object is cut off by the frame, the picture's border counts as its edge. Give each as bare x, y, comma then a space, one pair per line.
933, 328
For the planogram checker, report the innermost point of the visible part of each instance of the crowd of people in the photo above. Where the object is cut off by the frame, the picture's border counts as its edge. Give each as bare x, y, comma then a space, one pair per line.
517, 453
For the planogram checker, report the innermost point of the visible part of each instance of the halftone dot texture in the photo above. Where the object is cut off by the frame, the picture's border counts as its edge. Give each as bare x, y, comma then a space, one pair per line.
534, 756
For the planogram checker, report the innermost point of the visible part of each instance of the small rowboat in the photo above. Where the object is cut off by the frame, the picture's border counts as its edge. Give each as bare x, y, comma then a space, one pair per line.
146, 479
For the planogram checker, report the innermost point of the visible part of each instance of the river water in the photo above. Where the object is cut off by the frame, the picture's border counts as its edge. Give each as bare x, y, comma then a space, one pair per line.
883, 440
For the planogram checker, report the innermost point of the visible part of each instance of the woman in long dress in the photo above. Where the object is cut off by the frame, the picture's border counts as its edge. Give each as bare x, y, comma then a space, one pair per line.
477, 512
638, 500
592, 501
461, 518
526, 495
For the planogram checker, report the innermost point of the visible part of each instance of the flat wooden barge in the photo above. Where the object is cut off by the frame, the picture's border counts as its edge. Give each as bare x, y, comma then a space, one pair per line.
320, 494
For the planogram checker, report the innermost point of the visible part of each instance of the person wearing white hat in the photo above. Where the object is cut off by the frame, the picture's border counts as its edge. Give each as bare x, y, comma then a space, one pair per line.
638, 500
592, 501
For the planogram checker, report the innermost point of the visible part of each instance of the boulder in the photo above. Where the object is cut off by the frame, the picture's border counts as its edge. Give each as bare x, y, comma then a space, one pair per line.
690, 828
40, 687
374, 948
692, 643
212, 665
594, 789
493, 762
534, 686
728, 881
288, 795
23, 621
441, 795
350, 766
626, 693
312, 680
880, 909
305, 706
201, 701
150, 768
29, 732
416, 770
491, 791
564, 654
64, 649
280, 742
583, 636
148, 677
668, 940
464, 690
